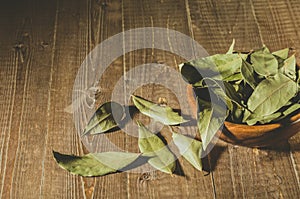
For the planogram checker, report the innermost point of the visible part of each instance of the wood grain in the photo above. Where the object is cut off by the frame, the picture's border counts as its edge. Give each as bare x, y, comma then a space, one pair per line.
42, 45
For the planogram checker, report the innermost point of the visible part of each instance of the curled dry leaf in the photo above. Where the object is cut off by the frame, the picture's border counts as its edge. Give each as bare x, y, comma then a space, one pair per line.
151, 145
107, 117
163, 114
95, 164
190, 149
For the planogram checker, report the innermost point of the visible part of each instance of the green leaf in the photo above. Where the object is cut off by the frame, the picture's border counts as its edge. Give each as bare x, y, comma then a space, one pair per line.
264, 63
209, 122
298, 79
192, 71
264, 119
190, 149
244, 56
163, 114
270, 95
234, 77
237, 113
97, 164
219, 66
248, 74
107, 117
151, 145
289, 67
227, 64
230, 50
291, 109
282, 54
225, 91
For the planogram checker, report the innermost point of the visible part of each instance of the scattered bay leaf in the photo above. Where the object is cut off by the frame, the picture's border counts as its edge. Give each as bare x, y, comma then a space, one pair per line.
189, 148
107, 117
151, 145
95, 164
163, 114
209, 122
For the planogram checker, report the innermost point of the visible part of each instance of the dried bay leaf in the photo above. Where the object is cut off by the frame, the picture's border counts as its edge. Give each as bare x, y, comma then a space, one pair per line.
247, 72
231, 48
264, 63
189, 148
234, 77
289, 67
283, 54
264, 119
225, 91
227, 64
219, 66
163, 114
151, 145
95, 164
270, 95
193, 71
244, 56
209, 122
291, 109
107, 117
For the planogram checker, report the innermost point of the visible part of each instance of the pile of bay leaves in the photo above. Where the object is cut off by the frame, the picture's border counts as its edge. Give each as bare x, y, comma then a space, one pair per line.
258, 87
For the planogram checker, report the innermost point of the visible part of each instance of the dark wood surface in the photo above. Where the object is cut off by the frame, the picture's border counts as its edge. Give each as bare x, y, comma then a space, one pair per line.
42, 45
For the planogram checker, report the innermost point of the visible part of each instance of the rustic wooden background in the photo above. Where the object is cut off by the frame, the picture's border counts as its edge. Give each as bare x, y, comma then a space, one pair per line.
42, 45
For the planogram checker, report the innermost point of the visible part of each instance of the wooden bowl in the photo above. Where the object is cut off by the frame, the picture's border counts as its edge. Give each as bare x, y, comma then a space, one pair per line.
256, 135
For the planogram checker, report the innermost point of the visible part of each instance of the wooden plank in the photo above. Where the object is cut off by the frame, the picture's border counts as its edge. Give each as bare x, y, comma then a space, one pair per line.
69, 47
26, 69
243, 172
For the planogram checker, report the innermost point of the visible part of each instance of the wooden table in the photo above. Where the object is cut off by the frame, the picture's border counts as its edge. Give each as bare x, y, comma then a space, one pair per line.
42, 45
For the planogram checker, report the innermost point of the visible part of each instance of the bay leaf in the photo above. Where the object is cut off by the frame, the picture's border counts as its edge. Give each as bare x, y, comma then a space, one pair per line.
270, 95
225, 91
193, 71
289, 67
291, 109
234, 77
264, 119
288, 110
95, 164
236, 114
227, 64
283, 53
264, 63
244, 56
163, 114
298, 78
209, 122
247, 72
107, 117
151, 145
189, 148
230, 50
190, 73
219, 66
